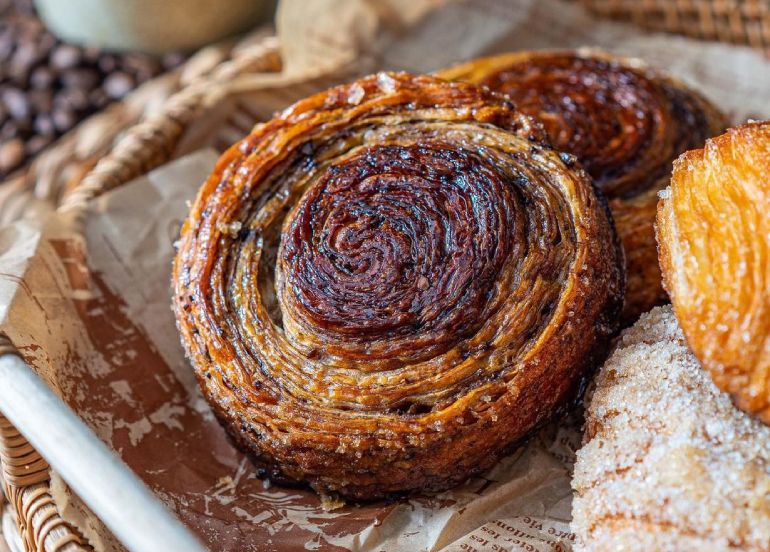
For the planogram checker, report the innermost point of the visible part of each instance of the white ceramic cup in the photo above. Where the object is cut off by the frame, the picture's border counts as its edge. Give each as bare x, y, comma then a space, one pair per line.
153, 26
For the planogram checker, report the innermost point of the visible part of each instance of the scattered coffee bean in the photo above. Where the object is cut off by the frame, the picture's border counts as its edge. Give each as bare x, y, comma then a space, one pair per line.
98, 97
37, 143
73, 99
91, 53
6, 43
44, 125
42, 78
16, 103
107, 63
81, 78
40, 101
47, 86
118, 85
63, 119
65, 56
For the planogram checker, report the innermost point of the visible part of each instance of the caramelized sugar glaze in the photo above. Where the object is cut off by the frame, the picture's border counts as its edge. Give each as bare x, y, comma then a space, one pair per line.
391, 282
625, 123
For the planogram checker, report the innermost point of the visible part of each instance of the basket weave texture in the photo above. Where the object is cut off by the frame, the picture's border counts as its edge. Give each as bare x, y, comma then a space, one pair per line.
732, 21
25, 477
24, 473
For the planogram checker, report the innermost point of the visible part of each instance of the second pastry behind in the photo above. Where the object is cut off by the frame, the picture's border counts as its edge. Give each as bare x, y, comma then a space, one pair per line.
625, 122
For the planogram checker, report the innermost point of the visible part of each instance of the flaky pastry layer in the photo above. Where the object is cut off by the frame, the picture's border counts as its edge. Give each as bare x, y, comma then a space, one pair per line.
390, 283
714, 235
624, 121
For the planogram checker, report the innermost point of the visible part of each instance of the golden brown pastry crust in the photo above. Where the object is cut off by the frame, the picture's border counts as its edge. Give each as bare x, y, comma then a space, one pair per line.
714, 236
624, 121
391, 282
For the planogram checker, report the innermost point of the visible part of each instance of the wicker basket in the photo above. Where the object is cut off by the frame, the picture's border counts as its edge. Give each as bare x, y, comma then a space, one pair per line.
733, 21
81, 167
159, 138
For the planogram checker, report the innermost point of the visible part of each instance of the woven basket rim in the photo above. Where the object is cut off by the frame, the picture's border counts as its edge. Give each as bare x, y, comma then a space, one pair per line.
151, 142
144, 146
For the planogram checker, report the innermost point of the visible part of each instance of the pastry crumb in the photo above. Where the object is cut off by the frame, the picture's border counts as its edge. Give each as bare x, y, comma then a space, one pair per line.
331, 502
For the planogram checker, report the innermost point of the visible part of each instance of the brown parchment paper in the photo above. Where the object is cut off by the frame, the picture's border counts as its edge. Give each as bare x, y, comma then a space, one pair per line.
85, 296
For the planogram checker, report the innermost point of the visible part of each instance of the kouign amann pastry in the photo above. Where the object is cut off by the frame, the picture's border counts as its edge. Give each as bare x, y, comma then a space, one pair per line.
392, 282
624, 121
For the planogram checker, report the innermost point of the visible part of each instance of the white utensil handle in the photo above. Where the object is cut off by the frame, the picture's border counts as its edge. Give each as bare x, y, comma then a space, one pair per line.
112, 491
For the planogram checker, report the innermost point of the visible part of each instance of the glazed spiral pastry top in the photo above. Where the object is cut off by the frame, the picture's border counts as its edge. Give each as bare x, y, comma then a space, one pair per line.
391, 282
624, 121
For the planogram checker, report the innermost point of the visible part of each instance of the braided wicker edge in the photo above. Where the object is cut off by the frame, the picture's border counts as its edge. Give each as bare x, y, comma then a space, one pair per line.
147, 145
151, 143
734, 21
25, 477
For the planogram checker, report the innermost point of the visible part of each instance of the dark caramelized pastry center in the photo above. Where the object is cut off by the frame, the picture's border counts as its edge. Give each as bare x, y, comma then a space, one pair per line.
395, 241
625, 123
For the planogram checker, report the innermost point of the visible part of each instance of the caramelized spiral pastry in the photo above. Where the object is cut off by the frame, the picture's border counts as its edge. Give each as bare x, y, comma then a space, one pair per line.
391, 282
714, 236
625, 122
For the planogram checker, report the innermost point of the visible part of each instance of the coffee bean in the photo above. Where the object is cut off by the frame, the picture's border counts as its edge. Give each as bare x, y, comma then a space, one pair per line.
63, 119
16, 103
40, 100
6, 45
44, 125
11, 154
72, 99
37, 143
107, 63
9, 130
31, 28
98, 98
24, 59
23, 127
118, 85
91, 53
41, 78
45, 44
80, 78
65, 56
